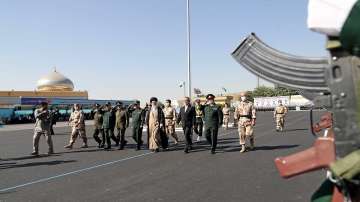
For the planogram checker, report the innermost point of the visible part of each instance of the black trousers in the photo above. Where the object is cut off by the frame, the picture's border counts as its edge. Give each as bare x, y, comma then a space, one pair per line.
112, 136
211, 134
98, 131
121, 136
188, 136
52, 129
198, 129
137, 135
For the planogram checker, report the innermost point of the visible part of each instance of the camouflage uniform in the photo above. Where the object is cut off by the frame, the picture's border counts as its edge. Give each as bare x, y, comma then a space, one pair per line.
170, 121
279, 115
199, 123
77, 122
245, 114
226, 112
42, 127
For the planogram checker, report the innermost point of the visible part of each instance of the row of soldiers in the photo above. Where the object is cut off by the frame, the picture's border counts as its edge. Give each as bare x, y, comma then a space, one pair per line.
160, 122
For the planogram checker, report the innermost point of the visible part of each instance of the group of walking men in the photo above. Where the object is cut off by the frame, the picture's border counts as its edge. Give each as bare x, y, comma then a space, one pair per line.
161, 122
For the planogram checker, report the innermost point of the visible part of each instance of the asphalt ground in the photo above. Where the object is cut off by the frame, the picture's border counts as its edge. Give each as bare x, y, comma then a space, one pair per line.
96, 175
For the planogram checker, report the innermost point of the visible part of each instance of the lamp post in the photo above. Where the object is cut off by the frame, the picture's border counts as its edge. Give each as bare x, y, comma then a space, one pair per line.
188, 48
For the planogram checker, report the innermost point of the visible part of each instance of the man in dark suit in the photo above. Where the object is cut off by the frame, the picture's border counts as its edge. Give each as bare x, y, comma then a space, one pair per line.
187, 118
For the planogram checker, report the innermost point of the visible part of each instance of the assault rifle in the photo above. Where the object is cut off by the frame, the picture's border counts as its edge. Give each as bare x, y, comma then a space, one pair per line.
331, 83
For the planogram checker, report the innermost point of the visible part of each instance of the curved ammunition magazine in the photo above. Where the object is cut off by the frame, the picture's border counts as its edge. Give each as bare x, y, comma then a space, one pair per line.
281, 68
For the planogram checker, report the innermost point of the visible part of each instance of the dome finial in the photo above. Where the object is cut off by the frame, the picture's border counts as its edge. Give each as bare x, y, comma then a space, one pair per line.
55, 68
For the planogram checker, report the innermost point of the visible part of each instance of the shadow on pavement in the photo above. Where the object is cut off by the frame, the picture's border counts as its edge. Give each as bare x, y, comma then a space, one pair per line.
46, 163
295, 129
276, 147
28, 157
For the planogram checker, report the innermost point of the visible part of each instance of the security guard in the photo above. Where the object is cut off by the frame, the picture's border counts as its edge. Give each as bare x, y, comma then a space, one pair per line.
226, 112
77, 122
246, 115
98, 121
170, 120
199, 122
213, 118
279, 116
42, 127
138, 120
121, 123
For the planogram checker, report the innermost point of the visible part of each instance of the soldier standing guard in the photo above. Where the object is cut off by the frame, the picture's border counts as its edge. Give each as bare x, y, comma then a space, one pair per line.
42, 127
170, 120
213, 118
279, 116
77, 122
121, 123
246, 115
199, 122
98, 121
138, 120
226, 112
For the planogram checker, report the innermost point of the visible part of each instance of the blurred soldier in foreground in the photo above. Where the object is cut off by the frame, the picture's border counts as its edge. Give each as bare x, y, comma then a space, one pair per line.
42, 127
121, 123
213, 118
138, 120
199, 122
155, 121
170, 120
226, 112
187, 119
98, 121
246, 115
279, 116
77, 122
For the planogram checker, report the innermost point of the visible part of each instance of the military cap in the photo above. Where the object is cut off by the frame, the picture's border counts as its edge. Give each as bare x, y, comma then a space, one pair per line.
153, 99
210, 96
97, 105
137, 102
119, 103
169, 101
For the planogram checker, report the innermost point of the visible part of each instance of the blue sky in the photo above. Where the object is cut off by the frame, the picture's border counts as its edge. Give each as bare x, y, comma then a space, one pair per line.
122, 49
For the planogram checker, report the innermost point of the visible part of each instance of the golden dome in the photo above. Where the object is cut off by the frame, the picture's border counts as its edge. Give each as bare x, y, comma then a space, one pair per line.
55, 82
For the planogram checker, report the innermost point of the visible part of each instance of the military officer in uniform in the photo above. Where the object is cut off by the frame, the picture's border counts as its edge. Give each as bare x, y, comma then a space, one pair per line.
42, 127
77, 122
246, 115
226, 112
98, 121
108, 125
122, 122
279, 116
138, 120
213, 118
199, 122
170, 120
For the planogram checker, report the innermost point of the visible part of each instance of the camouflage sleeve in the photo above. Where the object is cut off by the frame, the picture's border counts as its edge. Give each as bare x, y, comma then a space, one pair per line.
275, 111
236, 113
174, 114
253, 111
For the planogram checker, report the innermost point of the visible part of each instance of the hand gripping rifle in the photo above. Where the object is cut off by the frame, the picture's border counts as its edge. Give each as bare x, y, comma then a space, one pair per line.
333, 83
